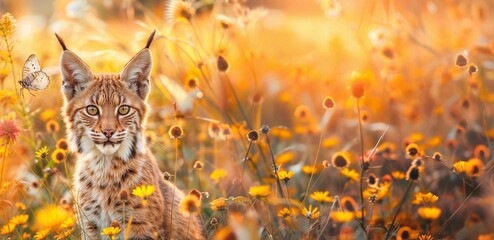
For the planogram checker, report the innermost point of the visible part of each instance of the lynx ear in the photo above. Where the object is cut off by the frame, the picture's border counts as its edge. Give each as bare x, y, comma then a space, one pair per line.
136, 73
76, 74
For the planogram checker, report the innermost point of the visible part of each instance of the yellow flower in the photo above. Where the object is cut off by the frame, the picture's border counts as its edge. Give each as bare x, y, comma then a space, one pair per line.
144, 192
110, 232
281, 133
330, 142
20, 206
217, 175
350, 174
50, 217
52, 126
309, 169
342, 216
176, 132
459, 166
406, 233
62, 144
19, 219
42, 234
474, 167
311, 213
321, 197
48, 114
425, 198
69, 222
377, 192
412, 151
287, 212
179, 11
25, 236
429, 213
284, 157
7, 228
398, 175
65, 234
190, 205
341, 160
260, 191
425, 237
7, 98
285, 176
219, 204
42, 153
58, 155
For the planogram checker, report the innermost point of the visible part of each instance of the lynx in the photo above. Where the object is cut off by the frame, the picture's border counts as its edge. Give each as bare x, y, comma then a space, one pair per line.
105, 115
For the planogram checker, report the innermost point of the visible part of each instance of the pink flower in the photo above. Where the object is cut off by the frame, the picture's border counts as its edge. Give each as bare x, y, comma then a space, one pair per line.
9, 130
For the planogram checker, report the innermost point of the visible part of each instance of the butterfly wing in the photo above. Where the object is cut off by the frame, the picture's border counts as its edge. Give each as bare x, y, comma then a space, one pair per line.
31, 65
40, 81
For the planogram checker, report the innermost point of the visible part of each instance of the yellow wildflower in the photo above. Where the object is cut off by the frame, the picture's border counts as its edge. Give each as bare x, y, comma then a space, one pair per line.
144, 192
50, 217
406, 232
429, 213
330, 142
179, 11
48, 114
311, 213
42, 234
474, 167
284, 157
219, 204
218, 174
412, 151
42, 153
342, 216
110, 232
260, 191
64, 234
69, 222
20, 206
350, 174
459, 166
321, 197
19, 219
190, 205
25, 236
287, 212
7, 98
58, 155
7, 25
8, 228
309, 169
425, 237
398, 175
341, 160
52, 126
425, 198
285, 176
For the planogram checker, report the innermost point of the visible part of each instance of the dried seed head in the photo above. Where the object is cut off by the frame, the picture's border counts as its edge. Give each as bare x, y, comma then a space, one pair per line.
123, 195
265, 129
326, 163
328, 103
413, 173
222, 64
176, 132
115, 224
437, 156
213, 221
357, 85
195, 193
461, 61
198, 165
167, 176
252, 136
472, 68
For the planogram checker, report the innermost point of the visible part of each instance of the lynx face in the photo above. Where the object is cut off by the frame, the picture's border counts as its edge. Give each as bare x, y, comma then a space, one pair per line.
105, 112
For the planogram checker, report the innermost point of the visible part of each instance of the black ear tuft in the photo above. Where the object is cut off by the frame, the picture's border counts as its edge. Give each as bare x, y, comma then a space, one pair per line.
60, 40
150, 39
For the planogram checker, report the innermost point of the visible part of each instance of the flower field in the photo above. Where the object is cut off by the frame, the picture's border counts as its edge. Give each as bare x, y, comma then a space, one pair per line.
317, 119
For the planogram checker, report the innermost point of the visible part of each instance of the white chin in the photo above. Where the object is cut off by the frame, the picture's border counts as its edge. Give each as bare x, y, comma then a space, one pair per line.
108, 149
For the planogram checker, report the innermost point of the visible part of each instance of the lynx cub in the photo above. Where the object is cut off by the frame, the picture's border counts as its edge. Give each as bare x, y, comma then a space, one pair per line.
105, 116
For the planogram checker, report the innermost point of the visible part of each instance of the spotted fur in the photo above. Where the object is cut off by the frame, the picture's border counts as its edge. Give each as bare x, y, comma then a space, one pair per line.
112, 155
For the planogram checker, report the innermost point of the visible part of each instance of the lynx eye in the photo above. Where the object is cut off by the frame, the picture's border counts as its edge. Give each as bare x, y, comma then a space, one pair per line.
92, 110
122, 110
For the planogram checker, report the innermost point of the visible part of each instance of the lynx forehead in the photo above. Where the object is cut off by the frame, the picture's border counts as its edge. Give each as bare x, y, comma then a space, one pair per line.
105, 116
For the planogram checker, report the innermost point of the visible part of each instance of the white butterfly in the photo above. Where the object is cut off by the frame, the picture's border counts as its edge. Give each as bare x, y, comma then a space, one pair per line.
33, 78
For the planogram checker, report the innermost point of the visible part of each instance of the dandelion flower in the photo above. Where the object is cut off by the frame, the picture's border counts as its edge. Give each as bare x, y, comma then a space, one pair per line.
321, 197
259, 191
219, 204
310, 213
9, 130
176, 132
429, 213
179, 11
218, 174
110, 232
474, 167
144, 192
190, 205
285, 176
58, 155
340, 160
42, 153
42, 234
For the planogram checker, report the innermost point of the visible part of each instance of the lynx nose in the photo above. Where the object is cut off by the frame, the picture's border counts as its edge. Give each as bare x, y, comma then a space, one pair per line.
108, 132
